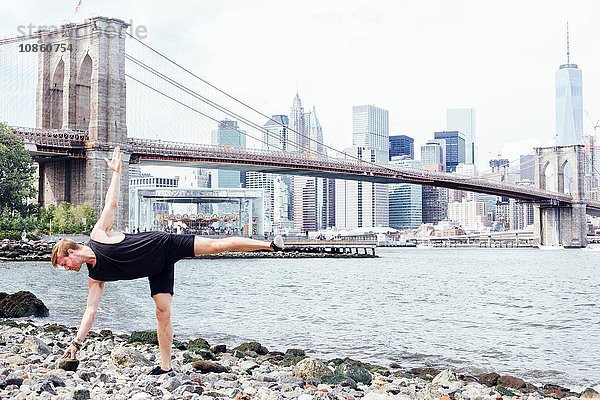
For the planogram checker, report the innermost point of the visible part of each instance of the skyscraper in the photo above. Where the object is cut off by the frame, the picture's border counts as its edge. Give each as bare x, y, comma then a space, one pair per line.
360, 204
434, 199
463, 120
455, 148
527, 167
276, 135
433, 155
298, 126
315, 132
277, 199
228, 134
569, 102
402, 145
311, 200
406, 200
370, 127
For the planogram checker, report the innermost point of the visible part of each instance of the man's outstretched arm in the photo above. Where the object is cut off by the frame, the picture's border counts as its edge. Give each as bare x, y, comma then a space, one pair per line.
95, 292
107, 218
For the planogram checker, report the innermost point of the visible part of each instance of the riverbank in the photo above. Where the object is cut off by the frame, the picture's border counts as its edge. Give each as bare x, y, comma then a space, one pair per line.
114, 367
25, 250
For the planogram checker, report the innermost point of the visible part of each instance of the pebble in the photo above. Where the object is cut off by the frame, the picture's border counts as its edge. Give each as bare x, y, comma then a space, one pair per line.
110, 368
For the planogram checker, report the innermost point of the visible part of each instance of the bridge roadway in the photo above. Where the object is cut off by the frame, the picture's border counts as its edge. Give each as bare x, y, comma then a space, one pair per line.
74, 143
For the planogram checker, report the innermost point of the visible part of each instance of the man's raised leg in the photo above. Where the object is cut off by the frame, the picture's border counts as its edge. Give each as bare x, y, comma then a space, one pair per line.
165, 328
212, 246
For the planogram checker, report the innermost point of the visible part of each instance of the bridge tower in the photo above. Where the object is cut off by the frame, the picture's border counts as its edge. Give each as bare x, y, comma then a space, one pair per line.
561, 169
84, 89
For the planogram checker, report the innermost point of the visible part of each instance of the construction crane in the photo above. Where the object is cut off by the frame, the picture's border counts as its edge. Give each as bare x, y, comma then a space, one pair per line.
594, 124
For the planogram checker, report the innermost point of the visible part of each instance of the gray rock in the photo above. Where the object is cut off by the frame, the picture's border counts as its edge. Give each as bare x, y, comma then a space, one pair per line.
127, 357
81, 394
311, 368
354, 372
13, 379
445, 378
56, 381
153, 390
248, 366
238, 354
188, 389
589, 393
67, 364
87, 376
15, 360
46, 387
171, 384
35, 345
218, 348
105, 378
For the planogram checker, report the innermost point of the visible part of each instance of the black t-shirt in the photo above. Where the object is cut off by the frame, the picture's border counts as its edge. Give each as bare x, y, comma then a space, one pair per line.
136, 256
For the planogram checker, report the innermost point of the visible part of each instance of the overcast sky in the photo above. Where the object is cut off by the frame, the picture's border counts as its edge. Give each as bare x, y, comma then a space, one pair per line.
414, 58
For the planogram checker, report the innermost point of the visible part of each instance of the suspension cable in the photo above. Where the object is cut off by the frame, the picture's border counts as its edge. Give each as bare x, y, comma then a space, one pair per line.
250, 107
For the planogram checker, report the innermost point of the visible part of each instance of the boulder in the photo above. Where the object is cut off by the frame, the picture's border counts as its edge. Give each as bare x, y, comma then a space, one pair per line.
556, 391
490, 379
218, 348
311, 368
145, 337
198, 344
427, 373
209, 366
356, 372
295, 353
127, 357
589, 393
22, 304
445, 378
511, 382
252, 346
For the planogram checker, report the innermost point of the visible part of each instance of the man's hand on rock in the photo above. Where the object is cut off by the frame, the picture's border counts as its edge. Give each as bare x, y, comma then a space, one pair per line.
71, 352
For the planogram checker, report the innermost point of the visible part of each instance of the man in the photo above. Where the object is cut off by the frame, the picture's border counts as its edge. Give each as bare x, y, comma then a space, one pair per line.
112, 256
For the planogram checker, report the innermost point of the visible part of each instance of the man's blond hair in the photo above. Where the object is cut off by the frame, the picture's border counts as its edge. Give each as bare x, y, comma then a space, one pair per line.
62, 249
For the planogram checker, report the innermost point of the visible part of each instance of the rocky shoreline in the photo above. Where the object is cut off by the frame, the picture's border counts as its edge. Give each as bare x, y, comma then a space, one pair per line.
114, 366
25, 250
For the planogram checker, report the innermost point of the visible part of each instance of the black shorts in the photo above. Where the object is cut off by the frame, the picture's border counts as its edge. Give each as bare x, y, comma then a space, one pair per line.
181, 246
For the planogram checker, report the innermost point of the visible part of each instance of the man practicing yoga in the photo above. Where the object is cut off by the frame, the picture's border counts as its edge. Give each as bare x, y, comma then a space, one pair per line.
113, 256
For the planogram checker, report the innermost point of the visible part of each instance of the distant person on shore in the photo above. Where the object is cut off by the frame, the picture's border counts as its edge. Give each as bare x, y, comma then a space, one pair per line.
113, 256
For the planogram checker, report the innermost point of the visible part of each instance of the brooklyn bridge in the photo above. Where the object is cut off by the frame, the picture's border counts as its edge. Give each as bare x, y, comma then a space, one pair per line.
87, 97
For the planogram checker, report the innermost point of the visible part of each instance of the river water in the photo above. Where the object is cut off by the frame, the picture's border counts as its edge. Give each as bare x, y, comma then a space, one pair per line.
525, 312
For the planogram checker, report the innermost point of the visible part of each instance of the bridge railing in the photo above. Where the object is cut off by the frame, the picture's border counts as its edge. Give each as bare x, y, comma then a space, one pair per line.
66, 138
311, 161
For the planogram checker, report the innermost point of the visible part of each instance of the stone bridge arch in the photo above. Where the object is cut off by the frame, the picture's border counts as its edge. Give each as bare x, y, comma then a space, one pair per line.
83, 88
561, 169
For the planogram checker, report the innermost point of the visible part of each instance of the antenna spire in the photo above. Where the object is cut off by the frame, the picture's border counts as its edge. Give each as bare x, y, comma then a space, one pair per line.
568, 54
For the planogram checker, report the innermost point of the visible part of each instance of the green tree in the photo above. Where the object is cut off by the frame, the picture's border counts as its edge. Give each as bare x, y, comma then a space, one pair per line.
17, 175
68, 218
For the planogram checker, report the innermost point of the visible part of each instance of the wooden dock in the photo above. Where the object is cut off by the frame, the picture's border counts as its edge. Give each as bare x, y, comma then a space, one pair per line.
349, 247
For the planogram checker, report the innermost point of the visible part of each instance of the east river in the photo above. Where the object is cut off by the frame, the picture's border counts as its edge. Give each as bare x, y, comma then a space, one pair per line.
524, 312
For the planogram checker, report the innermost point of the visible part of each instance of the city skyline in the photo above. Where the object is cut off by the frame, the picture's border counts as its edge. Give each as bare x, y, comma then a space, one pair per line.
457, 55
